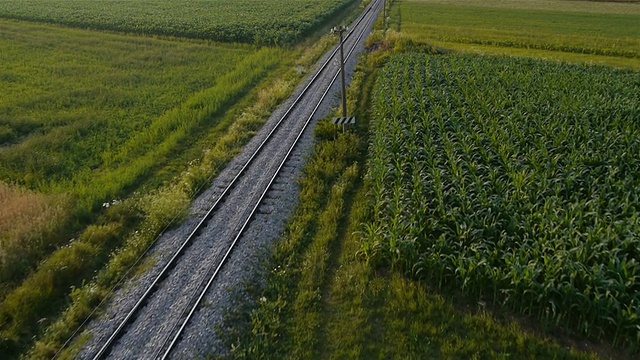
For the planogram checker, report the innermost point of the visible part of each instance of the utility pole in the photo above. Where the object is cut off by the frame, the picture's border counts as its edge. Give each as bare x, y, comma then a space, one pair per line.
341, 29
344, 119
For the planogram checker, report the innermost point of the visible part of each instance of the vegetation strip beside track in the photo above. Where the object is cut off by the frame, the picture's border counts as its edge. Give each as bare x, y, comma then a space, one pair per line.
149, 214
318, 85
322, 299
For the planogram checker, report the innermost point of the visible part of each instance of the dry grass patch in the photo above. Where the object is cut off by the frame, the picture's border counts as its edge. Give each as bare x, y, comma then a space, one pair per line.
27, 220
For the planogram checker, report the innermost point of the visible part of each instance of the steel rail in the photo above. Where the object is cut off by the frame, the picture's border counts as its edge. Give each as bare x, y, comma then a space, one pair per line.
104, 350
212, 278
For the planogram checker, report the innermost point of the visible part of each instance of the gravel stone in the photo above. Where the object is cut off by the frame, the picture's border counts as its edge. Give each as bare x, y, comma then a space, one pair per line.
156, 320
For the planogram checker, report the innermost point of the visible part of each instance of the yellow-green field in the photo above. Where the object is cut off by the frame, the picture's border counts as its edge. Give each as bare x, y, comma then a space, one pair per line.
575, 31
93, 115
86, 120
77, 104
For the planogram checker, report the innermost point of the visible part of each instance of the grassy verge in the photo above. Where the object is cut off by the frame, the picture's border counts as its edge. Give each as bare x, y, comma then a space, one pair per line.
294, 294
155, 211
322, 300
100, 114
558, 56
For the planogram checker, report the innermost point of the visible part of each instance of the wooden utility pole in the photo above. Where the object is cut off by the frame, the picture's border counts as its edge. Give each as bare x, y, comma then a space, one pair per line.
341, 29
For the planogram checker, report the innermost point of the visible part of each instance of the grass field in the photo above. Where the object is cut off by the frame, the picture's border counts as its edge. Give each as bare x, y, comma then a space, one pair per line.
74, 99
93, 115
86, 120
281, 22
576, 31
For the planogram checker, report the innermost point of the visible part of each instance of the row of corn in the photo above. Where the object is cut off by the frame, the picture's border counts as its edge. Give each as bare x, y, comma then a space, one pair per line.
516, 181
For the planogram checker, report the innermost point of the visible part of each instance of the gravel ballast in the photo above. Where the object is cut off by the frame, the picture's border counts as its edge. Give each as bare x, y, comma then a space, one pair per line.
153, 324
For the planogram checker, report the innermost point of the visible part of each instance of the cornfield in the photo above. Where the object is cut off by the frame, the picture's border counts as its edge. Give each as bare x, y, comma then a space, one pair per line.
516, 181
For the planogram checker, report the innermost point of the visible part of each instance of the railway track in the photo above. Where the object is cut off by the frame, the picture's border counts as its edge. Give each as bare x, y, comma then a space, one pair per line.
210, 243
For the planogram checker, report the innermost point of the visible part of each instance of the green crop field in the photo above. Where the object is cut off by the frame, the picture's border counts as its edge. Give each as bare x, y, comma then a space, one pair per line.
494, 187
567, 30
114, 115
323, 300
250, 21
89, 118
514, 180
82, 106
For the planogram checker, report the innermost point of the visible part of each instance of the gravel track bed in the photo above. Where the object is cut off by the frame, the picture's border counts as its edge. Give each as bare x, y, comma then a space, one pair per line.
155, 320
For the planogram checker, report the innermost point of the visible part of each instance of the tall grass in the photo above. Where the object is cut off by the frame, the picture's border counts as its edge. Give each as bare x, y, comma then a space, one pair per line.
165, 207
151, 148
28, 222
90, 94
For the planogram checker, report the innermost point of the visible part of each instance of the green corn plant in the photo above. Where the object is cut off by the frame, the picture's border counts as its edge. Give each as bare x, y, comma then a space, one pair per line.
496, 176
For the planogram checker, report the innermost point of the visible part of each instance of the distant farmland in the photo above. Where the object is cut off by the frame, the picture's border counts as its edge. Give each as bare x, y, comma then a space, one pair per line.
276, 22
576, 31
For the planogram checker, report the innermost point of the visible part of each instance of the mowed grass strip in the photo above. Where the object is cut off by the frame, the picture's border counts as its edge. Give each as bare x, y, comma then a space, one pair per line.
602, 29
600, 7
557, 56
